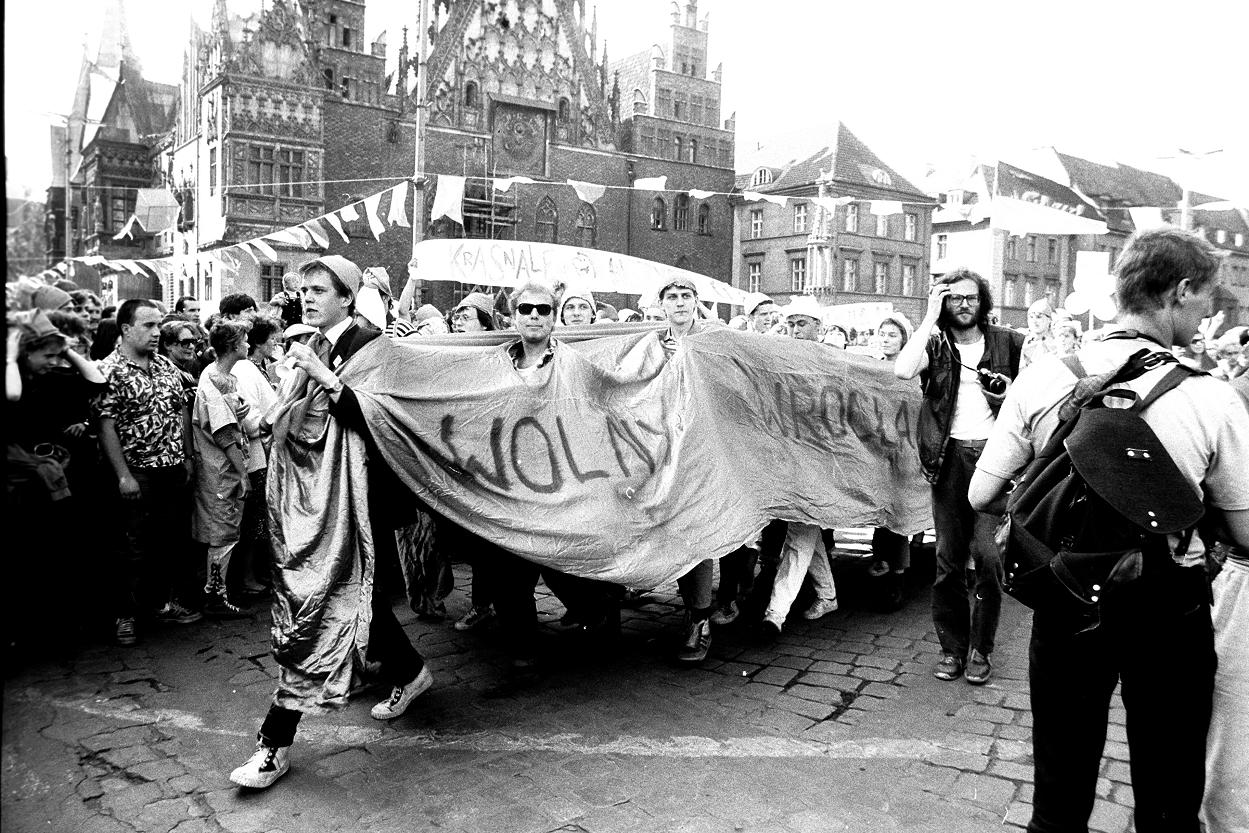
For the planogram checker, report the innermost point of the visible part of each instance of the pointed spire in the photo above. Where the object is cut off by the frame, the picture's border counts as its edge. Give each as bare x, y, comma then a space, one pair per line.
115, 45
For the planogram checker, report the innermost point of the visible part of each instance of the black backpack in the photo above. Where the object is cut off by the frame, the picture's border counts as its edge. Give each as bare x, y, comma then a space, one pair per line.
1095, 507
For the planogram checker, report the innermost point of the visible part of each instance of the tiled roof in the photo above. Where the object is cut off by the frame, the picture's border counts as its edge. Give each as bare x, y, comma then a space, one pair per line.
1010, 181
851, 162
1120, 183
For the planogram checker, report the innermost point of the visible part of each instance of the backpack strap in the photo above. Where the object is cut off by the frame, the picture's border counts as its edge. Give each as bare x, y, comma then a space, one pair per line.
1169, 382
1074, 365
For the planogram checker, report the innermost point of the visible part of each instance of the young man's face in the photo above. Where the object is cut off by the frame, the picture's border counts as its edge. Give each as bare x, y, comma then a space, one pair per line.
45, 358
534, 317
323, 306
678, 302
803, 328
890, 340
963, 303
578, 311
143, 334
1189, 315
763, 318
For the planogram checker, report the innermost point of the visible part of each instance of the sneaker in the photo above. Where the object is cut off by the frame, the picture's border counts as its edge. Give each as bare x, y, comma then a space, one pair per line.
125, 633
266, 765
175, 614
822, 607
726, 614
772, 626
220, 607
950, 668
402, 696
697, 642
476, 616
979, 669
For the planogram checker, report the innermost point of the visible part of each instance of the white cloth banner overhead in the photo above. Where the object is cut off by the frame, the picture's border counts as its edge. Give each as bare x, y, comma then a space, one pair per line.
349, 213
372, 208
885, 208
336, 224
651, 183
502, 185
449, 199
510, 263
1146, 218
588, 191
398, 215
832, 203
317, 233
1020, 217
701, 195
755, 196
302, 235
265, 249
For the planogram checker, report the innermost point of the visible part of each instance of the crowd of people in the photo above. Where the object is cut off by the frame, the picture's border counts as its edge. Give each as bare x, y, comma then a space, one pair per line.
140, 440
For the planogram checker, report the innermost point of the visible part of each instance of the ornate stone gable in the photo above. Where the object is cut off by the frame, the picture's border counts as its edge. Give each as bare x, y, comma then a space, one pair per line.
517, 49
279, 112
272, 44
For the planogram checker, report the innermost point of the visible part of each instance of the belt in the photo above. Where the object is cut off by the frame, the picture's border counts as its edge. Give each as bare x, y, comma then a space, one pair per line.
969, 443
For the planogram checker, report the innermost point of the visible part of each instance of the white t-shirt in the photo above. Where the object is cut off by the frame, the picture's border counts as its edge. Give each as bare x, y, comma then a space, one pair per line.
1202, 423
259, 394
973, 419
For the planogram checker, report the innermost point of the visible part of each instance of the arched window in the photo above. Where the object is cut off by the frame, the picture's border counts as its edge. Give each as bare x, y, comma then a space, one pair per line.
678, 145
547, 221
471, 96
693, 150
762, 177
659, 214
681, 213
587, 225
704, 218
639, 101
562, 113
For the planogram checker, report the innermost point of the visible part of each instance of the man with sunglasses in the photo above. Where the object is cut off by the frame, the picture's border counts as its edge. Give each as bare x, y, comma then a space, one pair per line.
965, 365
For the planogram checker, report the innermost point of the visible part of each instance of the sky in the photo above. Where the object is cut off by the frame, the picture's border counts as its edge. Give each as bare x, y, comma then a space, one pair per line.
926, 85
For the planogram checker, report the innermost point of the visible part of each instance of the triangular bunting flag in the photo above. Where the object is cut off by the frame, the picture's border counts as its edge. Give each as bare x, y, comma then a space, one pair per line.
286, 235
247, 250
651, 183
502, 185
588, 191
336, 224
317, 233
398, 215
885, 208
373, 207
349, 213
128, 229
701, 195
264, 248
449, 198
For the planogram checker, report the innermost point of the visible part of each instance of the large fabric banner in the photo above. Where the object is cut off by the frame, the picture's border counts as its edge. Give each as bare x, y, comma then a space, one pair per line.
511, 263
615, 461
622, 464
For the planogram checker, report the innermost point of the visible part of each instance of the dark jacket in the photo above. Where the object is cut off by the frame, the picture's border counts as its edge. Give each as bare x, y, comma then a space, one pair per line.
940, 381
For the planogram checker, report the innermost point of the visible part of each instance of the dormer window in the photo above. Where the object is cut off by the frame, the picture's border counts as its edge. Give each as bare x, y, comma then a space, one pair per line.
762, 177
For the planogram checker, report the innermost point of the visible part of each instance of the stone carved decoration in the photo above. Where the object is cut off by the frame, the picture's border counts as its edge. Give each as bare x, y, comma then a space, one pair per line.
524, 48
273, 44
520, 139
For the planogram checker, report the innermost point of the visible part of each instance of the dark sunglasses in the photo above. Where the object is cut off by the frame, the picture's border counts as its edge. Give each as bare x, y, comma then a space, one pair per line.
187, 342
528, 309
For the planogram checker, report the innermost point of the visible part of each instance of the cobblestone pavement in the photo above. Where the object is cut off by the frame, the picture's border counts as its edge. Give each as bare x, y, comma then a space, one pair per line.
836, 726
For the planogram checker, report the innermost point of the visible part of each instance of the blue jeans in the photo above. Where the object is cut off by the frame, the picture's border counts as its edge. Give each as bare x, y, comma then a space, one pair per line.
964, 618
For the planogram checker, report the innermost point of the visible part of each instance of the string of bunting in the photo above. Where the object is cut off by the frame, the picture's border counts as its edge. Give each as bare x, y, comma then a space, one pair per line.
448, 202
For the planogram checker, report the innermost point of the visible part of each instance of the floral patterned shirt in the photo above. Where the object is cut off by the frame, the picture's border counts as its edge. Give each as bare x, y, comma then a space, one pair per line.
146, 405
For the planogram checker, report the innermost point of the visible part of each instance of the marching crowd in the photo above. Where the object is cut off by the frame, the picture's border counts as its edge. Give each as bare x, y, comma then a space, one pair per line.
138, 449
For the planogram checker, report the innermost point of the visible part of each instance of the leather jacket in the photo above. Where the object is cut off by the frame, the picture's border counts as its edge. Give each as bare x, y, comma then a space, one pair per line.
940, 382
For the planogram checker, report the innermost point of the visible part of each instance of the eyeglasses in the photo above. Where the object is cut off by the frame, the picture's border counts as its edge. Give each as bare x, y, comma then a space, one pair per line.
187, 342
529, 309
959, 300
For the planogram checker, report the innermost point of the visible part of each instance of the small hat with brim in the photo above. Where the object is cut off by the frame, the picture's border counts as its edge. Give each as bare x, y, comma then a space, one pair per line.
348, 273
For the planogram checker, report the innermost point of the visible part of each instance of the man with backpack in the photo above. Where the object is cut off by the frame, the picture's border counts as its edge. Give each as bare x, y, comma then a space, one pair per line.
1147, 623
965, 364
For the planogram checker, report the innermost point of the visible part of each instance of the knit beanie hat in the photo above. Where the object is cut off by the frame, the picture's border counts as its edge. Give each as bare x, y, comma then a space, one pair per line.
50, 298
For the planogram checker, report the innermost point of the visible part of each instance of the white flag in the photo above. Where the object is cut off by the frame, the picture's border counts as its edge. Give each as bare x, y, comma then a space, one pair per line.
247, 250
286, 235
502, 185
588, 191
884, 208
317, 233
399, 205
373, 207
651, 183
337, 225
701, 195
349, 213
264, 248
449, 198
